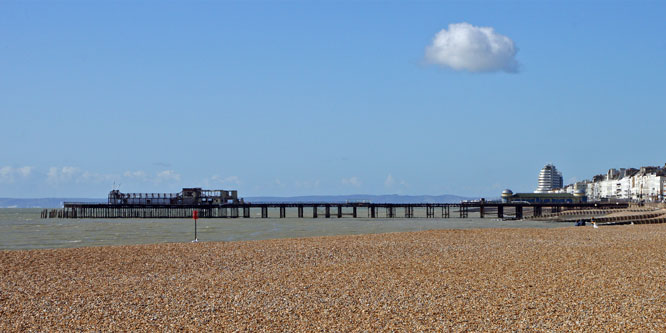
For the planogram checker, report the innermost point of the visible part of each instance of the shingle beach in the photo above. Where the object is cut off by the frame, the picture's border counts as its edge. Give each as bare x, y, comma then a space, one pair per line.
605, 279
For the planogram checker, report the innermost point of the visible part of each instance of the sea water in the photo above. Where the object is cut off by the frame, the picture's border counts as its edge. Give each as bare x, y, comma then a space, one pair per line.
24, 229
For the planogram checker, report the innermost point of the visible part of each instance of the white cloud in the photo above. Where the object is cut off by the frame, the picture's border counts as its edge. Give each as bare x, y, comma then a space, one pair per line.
93, 177
62, 175
70, 174
138, 174
389, 181
352, 181
217, 181
167, 175
24, 171
9, 174
225, 181
465, 47
6, 174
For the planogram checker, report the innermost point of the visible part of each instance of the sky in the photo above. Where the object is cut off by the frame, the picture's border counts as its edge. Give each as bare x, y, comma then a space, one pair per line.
311, 98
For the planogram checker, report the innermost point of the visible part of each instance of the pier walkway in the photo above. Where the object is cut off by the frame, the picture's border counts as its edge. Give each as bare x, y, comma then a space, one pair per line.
322, 209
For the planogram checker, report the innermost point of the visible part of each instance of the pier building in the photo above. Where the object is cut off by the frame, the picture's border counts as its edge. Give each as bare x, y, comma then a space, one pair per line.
188, 196
544, 198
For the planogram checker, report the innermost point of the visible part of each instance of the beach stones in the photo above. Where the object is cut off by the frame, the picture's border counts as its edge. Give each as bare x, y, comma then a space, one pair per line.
561, 279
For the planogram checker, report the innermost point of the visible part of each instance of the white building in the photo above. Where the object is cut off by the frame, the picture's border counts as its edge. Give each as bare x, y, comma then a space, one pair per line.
549, 179
648, 184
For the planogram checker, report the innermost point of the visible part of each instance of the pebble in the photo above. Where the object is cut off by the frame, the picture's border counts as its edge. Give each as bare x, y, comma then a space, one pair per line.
564, 279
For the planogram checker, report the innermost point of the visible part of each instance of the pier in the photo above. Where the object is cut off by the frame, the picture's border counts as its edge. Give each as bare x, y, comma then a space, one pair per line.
480, 209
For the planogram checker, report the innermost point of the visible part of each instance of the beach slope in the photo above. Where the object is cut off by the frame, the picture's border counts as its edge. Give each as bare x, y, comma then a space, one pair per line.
611, 278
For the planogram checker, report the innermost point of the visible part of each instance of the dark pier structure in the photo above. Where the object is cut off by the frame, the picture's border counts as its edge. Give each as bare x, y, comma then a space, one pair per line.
225, 204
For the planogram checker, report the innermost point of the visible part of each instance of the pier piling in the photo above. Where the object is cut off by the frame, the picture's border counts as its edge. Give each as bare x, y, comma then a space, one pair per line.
519, 212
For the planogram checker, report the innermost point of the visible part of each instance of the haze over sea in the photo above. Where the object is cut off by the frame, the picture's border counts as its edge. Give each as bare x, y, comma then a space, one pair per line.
23, 229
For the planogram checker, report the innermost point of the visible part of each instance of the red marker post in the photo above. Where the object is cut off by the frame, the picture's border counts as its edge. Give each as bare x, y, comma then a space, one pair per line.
195, 216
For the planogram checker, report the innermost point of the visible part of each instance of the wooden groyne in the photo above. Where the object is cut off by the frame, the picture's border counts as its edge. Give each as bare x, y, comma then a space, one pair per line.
321, 209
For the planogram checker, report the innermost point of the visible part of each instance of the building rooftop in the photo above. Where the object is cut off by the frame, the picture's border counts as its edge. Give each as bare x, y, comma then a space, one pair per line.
543, 195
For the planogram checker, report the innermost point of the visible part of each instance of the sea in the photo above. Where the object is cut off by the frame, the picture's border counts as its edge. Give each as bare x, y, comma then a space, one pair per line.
24, 229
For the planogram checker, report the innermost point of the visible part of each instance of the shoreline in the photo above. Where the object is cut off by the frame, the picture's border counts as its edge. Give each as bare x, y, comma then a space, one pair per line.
24, 231
562, 225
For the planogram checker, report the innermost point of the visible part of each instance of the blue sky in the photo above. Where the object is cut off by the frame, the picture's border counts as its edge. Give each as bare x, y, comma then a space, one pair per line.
298, 98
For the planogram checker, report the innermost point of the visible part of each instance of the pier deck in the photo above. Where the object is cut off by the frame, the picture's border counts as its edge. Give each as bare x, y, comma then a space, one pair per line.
321, 209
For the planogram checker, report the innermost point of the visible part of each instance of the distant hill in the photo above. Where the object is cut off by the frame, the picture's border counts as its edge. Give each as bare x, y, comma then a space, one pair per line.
391, 198
42, 202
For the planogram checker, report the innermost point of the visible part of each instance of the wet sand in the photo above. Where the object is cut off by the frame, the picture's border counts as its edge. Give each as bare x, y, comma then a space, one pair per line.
611, 278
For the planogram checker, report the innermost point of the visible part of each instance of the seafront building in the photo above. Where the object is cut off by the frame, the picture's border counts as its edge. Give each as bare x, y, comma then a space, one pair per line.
543, 198
646, 184
549, 190
549, 179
